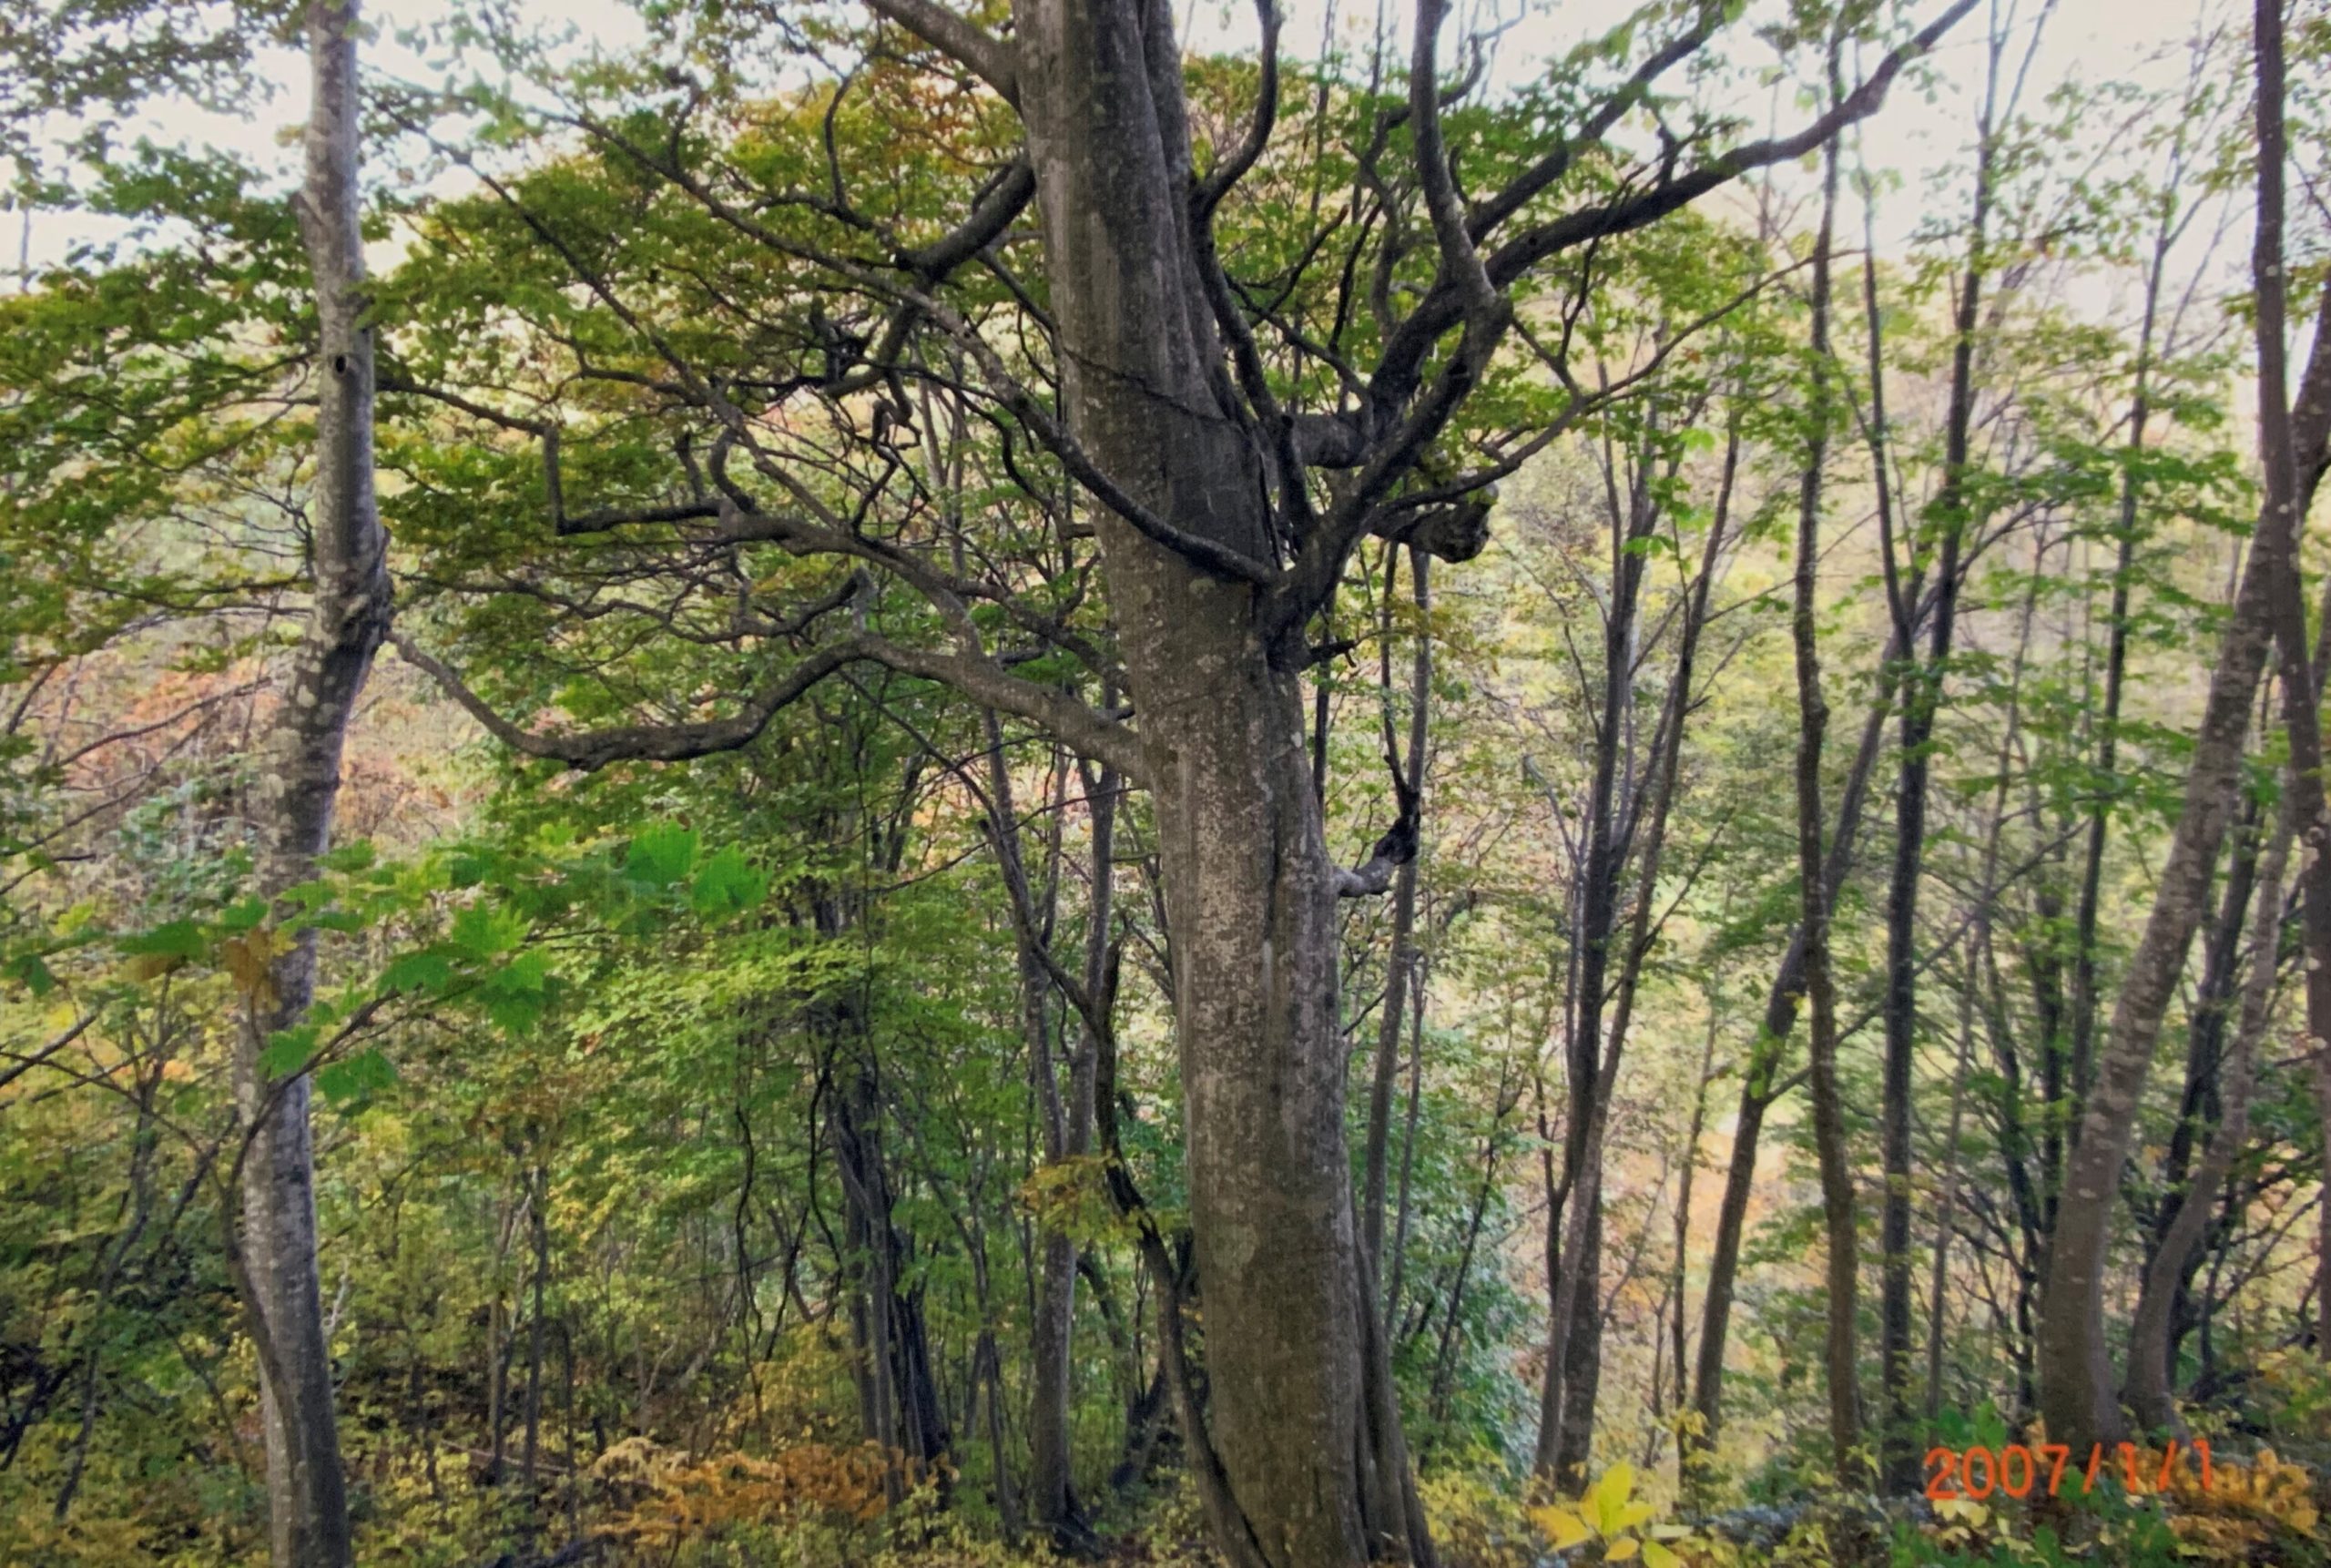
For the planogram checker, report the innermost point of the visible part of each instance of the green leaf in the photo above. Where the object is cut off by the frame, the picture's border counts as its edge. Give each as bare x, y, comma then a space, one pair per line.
515, 1013
29, 971
527, 973
366, 1073
727, 883
245, 915
660, 855
355, 857
422, 971
311, 896
179, 939
288, 1051
485, 931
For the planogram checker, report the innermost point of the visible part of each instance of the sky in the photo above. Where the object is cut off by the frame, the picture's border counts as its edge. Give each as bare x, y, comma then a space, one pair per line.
1919, 134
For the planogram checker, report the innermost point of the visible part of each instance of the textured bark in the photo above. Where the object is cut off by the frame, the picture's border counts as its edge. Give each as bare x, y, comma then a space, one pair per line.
299, 782
1250, 888
2076, 1385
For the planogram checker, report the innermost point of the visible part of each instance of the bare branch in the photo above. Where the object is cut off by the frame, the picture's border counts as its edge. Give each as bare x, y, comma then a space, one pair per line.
1076, 725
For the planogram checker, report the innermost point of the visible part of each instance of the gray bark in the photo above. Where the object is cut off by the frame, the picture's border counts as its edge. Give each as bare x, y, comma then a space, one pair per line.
292, 810
1250, 887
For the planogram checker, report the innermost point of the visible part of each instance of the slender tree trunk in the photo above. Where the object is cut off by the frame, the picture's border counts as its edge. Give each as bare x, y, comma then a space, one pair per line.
987, 1371
1978, 941
299, 782
1393, 1286
2076, 1374
1575, 1350
2287, 496
1680, 1274
1828, 1112
1761, 1086
1401, 963
2084, 978
531, 1454
1597, 933
2147, 1389
1921, 703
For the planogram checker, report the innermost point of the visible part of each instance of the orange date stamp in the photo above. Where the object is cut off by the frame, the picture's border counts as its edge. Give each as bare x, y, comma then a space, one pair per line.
1972, 1474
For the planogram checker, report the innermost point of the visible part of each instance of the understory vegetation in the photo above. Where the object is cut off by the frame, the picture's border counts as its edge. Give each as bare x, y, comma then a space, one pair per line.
895, 787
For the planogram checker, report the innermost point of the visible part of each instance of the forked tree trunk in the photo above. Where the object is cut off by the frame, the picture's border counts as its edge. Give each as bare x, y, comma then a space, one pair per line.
2077, 1385
1317, 1474
1762, 1087
2148, 1379
292, 812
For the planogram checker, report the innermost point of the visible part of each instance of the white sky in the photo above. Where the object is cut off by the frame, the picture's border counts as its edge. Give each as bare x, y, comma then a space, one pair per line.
1916, 134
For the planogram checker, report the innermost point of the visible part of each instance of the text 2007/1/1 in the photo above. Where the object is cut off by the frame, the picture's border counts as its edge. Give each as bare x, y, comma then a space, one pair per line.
1974, 1473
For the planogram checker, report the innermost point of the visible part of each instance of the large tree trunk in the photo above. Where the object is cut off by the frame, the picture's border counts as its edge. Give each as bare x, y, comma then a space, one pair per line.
1315, 1471
299, 782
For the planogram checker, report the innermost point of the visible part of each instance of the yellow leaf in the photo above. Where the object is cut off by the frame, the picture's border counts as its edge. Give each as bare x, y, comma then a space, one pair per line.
1623, 1550
1610, 1496
1563, 1527
1635, 1513
1654, 1555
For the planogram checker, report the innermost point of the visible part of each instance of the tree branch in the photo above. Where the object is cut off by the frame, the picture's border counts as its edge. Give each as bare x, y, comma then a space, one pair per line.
1077, 725
988, 57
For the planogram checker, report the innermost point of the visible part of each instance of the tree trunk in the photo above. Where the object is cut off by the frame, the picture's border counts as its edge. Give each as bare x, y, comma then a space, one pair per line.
2076, 1374
2147, 1389
1574, 1343
1760, 1089
1316, 1475
1977, 942
1400, 961
2287, 496
1828, 1113
299, 782
1921, 702
530, 1456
